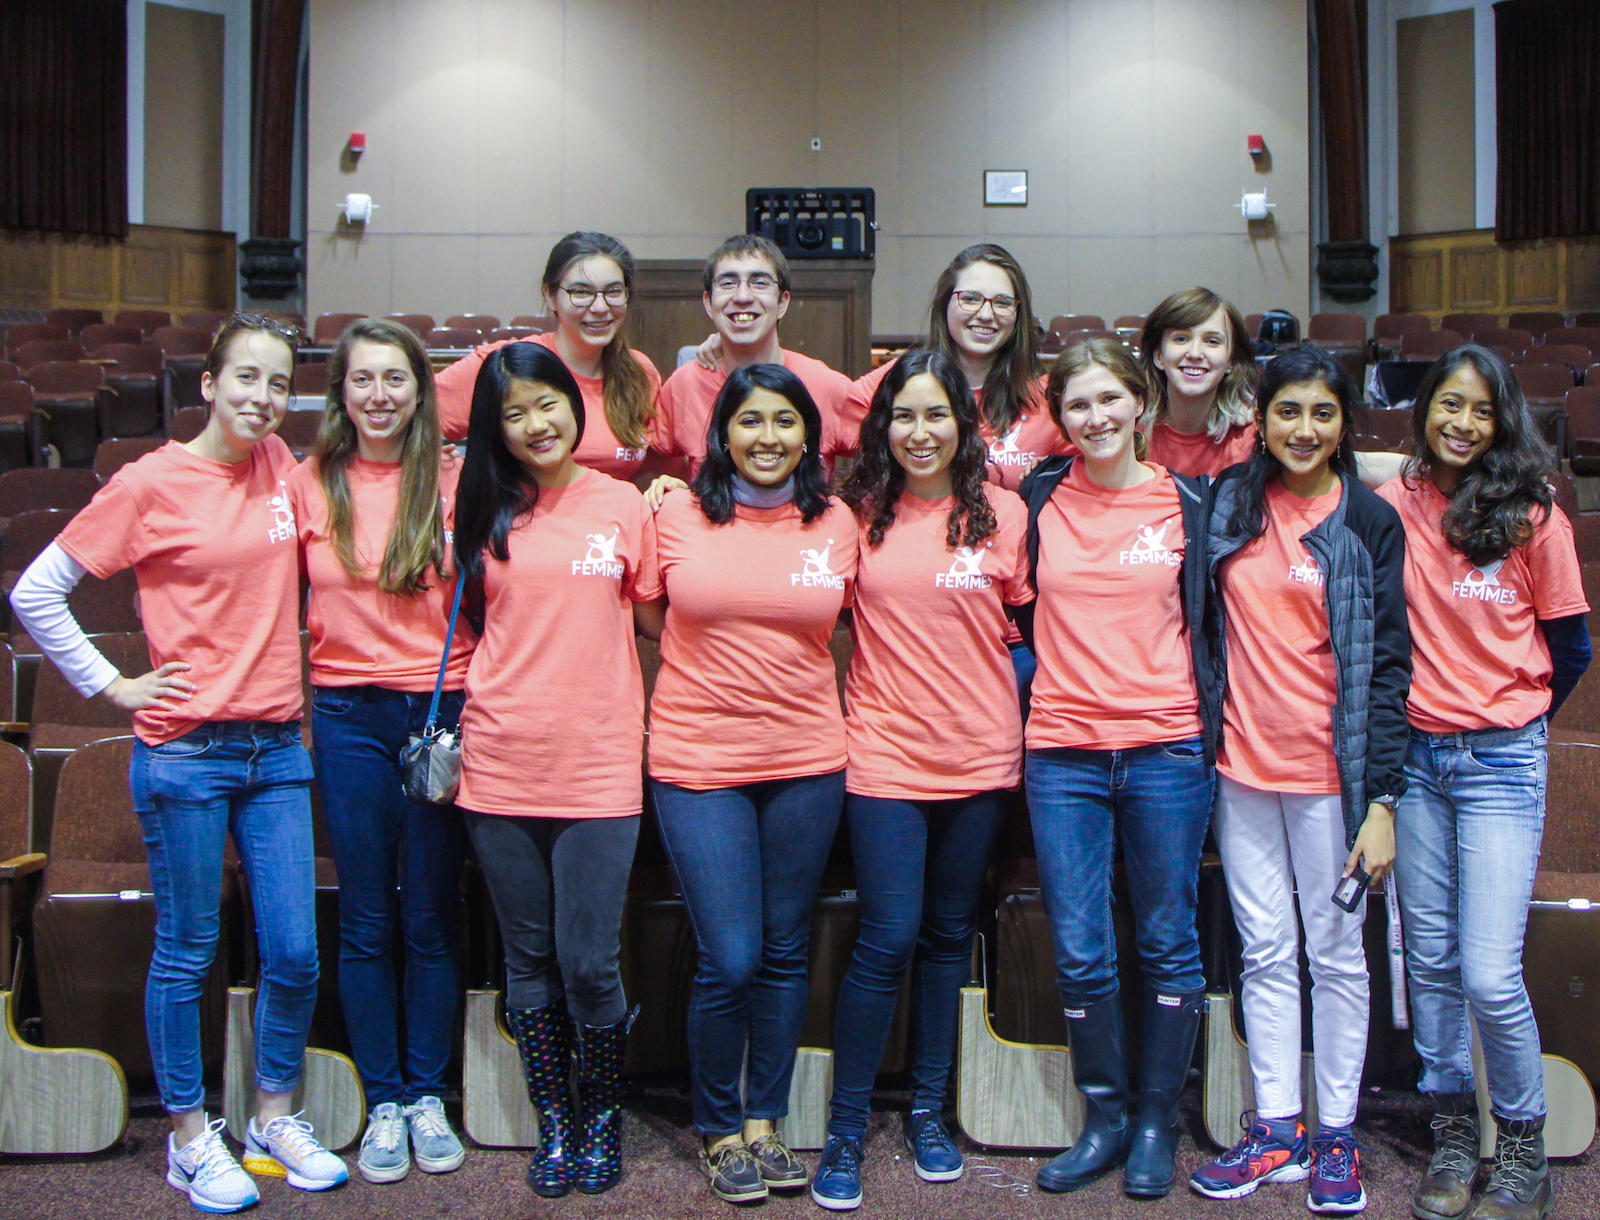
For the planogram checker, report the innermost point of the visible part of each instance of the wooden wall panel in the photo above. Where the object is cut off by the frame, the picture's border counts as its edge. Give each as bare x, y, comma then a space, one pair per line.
1439, 273
176, 269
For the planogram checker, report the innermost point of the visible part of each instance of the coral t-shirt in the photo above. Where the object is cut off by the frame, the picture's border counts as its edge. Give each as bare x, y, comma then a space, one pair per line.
361, 636
213, 548
554, 720
1115, 669
599, 449
1032, 437
931, 698
1195, 453
747, 690
1478, 658
683, 407
1282, 682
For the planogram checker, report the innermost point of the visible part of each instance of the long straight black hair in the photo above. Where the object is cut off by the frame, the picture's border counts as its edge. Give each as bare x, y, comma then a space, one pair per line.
1490, 510
1293, 366
713, 486
875, 482
496, 491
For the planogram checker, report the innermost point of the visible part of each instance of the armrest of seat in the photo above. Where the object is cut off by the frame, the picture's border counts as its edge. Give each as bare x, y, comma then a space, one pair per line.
21, 866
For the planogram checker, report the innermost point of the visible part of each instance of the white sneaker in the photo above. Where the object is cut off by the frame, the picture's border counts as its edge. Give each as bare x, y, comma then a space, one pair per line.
437, 1148
286, 1148
385, 1150
205, 1170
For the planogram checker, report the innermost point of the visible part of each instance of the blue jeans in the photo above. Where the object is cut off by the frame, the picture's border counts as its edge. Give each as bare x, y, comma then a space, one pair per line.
919, 870
1158, 798
1467, 839
1025, 665
749, 860
382, 841
251, 779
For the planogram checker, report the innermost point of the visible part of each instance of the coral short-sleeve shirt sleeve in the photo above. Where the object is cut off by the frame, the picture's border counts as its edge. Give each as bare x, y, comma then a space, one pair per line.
213, 547
931, 698
747, 690
1115, 668
1195, 453
1277, 717
360, 635
1479, 660
554, 719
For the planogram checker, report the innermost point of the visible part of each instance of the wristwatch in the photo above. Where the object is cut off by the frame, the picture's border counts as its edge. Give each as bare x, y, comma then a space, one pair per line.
1388, 799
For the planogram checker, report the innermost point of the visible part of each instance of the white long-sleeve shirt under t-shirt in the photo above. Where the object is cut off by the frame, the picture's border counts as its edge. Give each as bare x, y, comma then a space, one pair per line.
40, 604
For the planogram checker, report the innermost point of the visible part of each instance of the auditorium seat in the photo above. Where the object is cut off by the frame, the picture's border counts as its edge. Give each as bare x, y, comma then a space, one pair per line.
1591, 375
539, 324
61, 720
1429, 346
97, 336
147, 320
1543, 383
183, 357
1051, 343
1537, 321
299, 431
509, 334
450, 338
25, 490
288, 317
181, 340
73, 319
19, 333
483, 323
25, 535
1472, 325
1393, 428
94, 923
1514, 338
1068, 338
111, 456
1333, 330
187, 423
1583, 431
1129, 325
421, 323
1587, 318
1064, 324
9, 371
331, 325
206, 319
69, 399
137, 379
46, 351
1569, 354
1582, 336
311, 379
18, 873
1388, 329
16, 425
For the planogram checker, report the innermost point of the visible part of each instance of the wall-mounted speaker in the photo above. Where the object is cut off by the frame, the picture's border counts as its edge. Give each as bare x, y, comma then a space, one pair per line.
819, 222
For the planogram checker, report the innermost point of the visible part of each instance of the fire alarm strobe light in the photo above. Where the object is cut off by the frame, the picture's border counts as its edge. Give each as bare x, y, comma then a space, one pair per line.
1256, 145
358, 142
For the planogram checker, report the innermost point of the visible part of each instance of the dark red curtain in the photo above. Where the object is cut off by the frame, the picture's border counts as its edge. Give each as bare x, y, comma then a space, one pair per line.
1547, 83
63, 116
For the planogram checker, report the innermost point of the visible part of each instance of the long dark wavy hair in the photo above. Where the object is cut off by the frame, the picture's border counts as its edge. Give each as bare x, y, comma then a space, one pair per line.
1009, 383
496, 492
713, 486
1490, 512
1294, 366
875, 482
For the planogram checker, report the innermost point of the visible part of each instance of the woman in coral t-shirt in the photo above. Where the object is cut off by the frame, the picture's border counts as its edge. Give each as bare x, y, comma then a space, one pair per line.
934, 738
209, 531
588, 284
373, 509
747, 751
1200, 365
1498, 640
1307, 567
1118, 746
552, 736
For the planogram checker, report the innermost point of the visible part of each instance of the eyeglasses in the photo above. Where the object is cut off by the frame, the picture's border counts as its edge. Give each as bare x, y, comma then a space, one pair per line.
970, 302
289, 333
582, 295
760, 282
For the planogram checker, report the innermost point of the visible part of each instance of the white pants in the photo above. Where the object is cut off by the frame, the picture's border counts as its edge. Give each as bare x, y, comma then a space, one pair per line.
1274, 843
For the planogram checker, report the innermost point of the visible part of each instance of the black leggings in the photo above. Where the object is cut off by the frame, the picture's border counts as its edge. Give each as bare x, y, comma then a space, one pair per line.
558, 886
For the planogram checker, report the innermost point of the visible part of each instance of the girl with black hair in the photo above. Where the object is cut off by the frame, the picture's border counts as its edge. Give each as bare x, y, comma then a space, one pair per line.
934, 738
550, 783
747, 750
1310, 661
1498, 640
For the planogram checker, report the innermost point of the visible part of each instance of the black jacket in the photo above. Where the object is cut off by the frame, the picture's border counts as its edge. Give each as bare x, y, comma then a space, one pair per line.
1361, 548
1194, 498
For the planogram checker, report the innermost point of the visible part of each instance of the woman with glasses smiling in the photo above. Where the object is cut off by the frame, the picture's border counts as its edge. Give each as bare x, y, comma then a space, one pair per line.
588, 282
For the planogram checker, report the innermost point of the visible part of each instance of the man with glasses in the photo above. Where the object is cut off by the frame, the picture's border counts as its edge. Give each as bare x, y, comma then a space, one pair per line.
746, 295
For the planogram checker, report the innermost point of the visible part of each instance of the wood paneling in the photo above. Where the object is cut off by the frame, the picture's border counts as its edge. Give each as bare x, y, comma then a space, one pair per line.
174, 269
1440, 273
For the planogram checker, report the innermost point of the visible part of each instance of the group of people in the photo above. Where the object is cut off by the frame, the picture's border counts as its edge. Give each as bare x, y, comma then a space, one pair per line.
1151, 589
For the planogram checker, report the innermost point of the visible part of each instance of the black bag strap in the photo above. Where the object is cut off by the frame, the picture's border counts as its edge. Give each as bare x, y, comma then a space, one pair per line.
444, 661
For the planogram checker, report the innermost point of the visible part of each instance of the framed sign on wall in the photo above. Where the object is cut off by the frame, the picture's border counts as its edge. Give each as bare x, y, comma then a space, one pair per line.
1005, 188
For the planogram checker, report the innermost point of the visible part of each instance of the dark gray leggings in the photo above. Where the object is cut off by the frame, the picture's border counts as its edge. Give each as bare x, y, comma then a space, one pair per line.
558, 886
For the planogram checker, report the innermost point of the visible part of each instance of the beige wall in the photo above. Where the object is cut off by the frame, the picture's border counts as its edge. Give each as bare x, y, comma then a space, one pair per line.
1434, 98
493, 128
183, 118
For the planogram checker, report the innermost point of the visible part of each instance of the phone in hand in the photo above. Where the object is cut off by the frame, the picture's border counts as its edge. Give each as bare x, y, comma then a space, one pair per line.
1349, 891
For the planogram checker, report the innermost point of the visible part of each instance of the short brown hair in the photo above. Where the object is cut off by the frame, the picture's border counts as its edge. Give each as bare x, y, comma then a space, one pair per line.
241, 323
747, 243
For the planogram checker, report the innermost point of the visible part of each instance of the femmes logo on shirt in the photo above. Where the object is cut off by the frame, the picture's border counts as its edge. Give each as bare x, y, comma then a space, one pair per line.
1004, 451
1150, 546
964, 571
624, 454
601, 557
1483, 585
1307, 573
282, 515
815, 572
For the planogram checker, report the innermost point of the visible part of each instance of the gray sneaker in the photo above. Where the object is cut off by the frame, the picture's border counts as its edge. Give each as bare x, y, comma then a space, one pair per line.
435, 1145
385, 1152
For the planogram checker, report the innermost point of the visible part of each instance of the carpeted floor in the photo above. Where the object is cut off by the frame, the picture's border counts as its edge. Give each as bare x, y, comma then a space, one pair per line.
662, 1180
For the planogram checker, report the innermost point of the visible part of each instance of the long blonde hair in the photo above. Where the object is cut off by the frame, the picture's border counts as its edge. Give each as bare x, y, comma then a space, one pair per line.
1235, 401
416, 539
